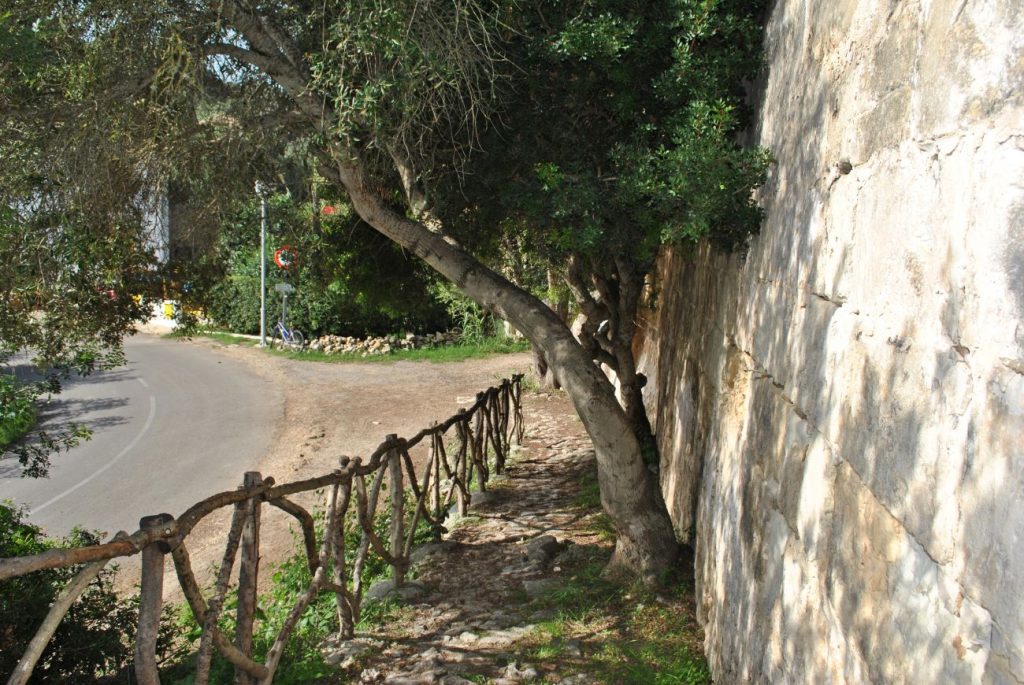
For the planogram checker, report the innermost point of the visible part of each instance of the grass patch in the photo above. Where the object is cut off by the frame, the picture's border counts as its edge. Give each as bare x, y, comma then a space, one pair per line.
228, 338
619, 633
589, 495
219, 336
589, 499
448, 353
18, 410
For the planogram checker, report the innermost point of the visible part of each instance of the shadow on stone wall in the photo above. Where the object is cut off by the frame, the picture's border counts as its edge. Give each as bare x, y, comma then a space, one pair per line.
828, 473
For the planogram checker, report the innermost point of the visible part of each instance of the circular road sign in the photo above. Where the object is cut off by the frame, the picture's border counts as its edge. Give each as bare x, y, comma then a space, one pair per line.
286, 257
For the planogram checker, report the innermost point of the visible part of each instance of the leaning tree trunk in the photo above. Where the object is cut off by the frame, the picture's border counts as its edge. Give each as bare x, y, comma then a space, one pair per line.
629, 494
645, 541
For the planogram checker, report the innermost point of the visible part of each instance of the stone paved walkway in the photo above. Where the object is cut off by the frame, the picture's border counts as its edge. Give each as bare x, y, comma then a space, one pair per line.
471, 597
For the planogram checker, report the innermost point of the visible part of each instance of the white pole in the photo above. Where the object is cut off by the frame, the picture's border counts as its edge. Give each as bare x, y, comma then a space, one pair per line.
263, 264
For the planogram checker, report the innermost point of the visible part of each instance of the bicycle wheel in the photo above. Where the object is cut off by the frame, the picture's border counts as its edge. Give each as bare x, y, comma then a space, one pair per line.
298, 340
275, 338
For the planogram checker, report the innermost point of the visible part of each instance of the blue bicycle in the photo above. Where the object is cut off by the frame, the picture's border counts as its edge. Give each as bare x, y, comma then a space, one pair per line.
287, 337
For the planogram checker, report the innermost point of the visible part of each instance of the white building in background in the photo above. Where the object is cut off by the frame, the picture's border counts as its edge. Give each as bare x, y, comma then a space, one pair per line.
156, 227
156, 223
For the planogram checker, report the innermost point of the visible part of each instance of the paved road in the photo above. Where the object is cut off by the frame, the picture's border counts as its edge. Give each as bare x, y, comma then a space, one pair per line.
179, 422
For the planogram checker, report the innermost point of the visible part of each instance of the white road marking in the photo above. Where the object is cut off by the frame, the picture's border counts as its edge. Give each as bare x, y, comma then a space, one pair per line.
126, 450
143, 381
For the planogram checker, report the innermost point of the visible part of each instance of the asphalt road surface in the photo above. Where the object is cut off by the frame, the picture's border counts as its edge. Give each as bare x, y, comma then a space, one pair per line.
176, 424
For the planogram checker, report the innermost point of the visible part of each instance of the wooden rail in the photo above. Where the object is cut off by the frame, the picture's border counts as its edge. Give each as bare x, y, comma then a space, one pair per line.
483, 434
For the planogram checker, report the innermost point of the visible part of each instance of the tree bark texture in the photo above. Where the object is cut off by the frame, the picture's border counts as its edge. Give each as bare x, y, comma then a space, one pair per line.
248, 574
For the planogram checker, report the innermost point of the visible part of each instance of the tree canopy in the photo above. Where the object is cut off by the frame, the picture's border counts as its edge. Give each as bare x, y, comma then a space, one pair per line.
592, 131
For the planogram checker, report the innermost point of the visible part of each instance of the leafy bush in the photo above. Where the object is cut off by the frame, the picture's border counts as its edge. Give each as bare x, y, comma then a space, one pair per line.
17, 410
19, 404
349, 280
95, 639
476, 325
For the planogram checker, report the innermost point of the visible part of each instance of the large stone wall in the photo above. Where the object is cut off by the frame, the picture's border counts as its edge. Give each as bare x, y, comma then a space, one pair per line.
841, 413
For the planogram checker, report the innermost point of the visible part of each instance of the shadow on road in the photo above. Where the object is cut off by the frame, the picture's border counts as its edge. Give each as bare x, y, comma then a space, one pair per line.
61, 409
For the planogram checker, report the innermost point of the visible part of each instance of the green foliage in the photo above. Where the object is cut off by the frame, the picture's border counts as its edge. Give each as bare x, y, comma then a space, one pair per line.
19, 404
71, 258
623, 133
602, 37
349, 280
628, 634
17, 409
411, 77
95, 639
475, 325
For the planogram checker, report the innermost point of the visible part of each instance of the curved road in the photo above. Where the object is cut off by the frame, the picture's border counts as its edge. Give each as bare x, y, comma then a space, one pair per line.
176, 424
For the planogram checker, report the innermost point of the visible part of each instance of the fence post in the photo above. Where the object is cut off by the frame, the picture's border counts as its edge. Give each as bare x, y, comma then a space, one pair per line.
346, 619
517, 407
495, 430
435, 498
397, 509
461, 468
506, 402
480, 445
151, 596
248, 573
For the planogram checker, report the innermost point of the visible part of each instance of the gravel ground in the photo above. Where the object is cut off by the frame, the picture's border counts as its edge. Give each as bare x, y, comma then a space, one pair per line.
473, 610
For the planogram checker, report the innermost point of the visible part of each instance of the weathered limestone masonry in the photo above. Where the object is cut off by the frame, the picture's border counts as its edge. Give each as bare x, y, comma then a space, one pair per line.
841, 414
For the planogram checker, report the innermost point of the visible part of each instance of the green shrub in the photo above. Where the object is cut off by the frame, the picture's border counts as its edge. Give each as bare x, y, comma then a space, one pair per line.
17, 409
94, 640
476, 325
19, 403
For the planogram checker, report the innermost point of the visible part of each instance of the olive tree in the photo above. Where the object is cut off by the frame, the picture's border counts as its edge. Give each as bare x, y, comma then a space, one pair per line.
622, 139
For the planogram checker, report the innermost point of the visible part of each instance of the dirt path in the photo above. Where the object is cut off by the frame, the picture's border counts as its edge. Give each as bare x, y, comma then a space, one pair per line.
510, 596
336, 409
471, 611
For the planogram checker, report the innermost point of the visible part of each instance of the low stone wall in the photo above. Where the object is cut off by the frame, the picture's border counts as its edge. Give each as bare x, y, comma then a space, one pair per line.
340, 344
841, 411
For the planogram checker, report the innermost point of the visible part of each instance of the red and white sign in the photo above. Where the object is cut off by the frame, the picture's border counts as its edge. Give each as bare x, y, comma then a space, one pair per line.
286, 257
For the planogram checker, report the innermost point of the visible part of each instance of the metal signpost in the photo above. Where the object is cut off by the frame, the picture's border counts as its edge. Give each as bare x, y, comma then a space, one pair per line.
263, 264
285, 289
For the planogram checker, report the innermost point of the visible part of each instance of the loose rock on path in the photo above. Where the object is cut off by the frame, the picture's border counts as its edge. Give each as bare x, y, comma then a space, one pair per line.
470, 603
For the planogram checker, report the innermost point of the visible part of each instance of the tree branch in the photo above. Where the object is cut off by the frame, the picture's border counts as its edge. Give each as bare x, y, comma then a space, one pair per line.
285, 45
578, 286
593, 312
273, 60
413, 190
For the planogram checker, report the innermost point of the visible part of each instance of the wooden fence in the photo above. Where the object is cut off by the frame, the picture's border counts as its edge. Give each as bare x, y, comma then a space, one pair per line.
481, 441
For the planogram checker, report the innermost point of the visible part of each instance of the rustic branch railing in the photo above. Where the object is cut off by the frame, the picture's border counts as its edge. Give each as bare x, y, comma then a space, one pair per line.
482, 433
